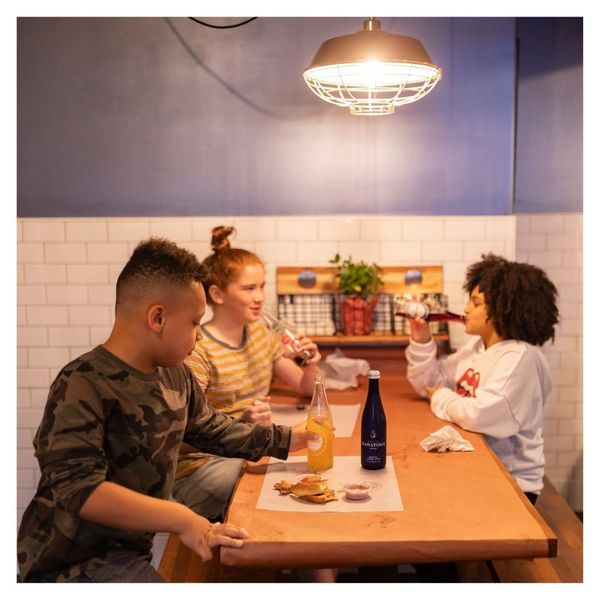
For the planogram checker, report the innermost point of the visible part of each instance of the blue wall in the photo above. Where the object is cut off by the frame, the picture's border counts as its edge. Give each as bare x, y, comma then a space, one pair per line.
549, 159
152, 116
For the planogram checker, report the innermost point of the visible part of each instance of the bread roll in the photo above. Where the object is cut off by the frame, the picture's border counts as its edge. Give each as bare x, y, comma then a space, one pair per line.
308, 489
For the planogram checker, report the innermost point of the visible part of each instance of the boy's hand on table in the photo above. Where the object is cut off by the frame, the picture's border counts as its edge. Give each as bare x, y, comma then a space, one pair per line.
200, 536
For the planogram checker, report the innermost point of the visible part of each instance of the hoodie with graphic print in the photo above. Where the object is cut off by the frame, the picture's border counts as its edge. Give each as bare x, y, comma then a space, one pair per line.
499, 392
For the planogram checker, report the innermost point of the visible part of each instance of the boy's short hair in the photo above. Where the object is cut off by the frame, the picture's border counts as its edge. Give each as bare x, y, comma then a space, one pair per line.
520, 299
156, 264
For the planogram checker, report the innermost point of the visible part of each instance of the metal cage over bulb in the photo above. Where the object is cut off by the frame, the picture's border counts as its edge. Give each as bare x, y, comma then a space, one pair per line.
371, 71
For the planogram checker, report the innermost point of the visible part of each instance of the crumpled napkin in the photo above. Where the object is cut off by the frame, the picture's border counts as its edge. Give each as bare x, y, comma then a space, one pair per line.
341, 372
446, 439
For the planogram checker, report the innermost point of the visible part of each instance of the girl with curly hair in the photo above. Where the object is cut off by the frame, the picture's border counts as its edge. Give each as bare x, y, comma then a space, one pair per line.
498, 382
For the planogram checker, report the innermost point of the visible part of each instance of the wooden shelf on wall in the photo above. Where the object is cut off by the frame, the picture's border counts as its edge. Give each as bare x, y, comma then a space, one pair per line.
395, 280
298, 284
375, 339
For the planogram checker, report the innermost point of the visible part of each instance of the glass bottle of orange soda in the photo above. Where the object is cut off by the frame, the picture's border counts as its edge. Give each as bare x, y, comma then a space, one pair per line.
320, 422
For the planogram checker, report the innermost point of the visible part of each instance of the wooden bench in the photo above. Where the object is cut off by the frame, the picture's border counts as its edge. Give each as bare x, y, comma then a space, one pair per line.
566, 567
179, 564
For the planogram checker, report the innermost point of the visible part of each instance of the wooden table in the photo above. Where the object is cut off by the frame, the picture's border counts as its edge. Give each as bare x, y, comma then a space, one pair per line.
457, 505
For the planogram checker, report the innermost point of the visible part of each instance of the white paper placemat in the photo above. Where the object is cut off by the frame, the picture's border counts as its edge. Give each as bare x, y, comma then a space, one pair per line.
344, 416
384, 497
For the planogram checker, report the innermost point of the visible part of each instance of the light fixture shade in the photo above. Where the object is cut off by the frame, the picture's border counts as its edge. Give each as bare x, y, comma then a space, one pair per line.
372, 71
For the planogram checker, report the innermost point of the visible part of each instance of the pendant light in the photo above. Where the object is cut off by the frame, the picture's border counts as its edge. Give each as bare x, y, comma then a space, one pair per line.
372, 71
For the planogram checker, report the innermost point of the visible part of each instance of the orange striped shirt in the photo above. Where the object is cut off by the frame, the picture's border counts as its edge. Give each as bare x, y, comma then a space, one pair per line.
232, 378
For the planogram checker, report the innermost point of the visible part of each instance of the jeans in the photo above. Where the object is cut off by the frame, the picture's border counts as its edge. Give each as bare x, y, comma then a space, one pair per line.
208, 489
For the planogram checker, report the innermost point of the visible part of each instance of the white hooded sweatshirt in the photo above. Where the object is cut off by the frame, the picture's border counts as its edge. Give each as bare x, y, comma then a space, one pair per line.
498, 392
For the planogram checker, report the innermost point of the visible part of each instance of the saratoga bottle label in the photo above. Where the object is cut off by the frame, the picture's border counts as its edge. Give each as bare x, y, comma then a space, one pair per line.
373, 427
373, 449
372, 444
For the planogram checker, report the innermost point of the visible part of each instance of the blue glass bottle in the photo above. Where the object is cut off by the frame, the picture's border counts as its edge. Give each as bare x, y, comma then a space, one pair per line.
373, 428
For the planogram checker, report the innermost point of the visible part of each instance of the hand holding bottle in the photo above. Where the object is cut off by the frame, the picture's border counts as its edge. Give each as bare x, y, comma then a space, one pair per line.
419, 330
300, 437
295, 348
307, 347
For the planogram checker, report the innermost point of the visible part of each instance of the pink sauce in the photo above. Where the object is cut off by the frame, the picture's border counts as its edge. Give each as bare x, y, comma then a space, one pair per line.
357, 491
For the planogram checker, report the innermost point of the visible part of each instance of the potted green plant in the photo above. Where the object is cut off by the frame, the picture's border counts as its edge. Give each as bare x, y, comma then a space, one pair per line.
360, 282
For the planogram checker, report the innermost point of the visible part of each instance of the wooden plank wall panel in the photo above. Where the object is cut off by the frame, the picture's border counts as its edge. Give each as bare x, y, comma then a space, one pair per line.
432, 281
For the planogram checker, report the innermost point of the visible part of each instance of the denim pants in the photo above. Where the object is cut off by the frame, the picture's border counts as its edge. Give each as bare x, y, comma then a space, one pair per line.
208, 489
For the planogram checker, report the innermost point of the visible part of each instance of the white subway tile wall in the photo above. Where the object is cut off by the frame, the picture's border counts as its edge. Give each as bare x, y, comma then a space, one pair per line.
67, 269
554, 243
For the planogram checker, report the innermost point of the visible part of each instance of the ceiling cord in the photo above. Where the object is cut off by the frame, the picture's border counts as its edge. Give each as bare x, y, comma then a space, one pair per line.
222, 26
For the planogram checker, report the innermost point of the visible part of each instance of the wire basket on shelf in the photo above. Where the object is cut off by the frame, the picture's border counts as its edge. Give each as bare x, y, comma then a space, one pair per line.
322, 315
308, 298
311, 314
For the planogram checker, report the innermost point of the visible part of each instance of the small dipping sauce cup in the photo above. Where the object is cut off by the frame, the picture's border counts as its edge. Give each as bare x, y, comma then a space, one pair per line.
357, 490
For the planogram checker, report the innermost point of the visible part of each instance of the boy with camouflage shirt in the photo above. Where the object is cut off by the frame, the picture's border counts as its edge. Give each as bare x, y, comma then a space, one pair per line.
110, 435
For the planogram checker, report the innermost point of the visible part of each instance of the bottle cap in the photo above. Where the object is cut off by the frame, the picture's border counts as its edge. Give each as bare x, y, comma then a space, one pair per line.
417, 309
373, 374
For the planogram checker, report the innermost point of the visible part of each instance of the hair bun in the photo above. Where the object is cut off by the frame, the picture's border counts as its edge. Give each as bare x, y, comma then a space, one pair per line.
219, 241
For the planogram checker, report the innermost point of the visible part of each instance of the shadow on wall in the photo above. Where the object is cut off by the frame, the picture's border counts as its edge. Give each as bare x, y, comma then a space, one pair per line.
573, 492
536, 35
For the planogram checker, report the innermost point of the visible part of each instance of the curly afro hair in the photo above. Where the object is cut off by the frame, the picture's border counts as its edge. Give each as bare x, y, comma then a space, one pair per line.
520, 299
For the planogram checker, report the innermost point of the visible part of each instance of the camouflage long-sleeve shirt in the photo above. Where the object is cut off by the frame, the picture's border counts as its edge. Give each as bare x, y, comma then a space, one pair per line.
105, 421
